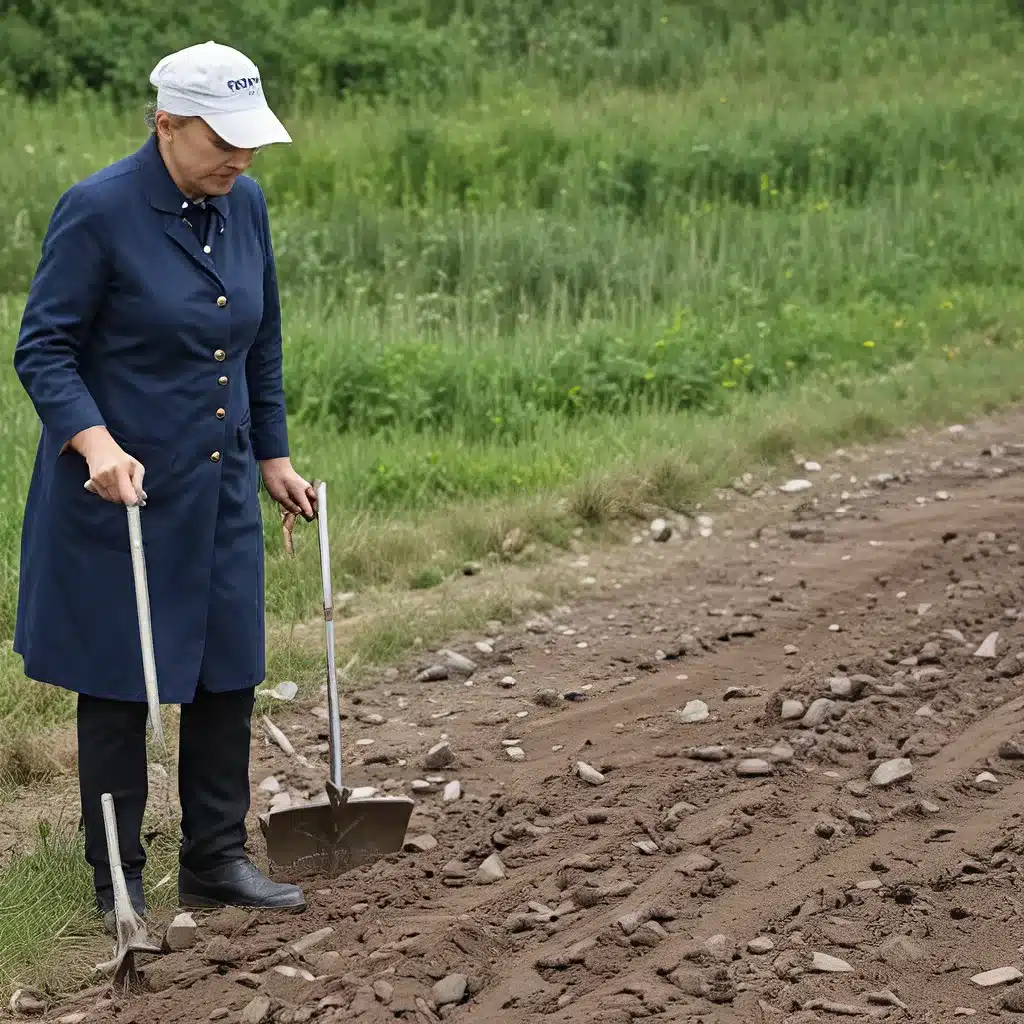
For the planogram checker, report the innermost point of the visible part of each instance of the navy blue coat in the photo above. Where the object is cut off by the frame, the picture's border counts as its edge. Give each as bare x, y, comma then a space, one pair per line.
130, 324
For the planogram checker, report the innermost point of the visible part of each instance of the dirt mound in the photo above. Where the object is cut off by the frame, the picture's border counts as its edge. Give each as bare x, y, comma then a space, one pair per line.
806, 731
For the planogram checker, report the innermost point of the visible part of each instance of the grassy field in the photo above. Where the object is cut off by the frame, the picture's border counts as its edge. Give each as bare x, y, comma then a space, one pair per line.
578, 291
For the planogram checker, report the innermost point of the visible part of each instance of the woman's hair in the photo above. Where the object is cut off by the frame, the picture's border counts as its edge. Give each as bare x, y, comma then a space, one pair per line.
176, 119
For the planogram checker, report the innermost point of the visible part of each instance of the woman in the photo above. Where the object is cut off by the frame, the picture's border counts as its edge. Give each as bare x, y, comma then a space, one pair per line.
151, 349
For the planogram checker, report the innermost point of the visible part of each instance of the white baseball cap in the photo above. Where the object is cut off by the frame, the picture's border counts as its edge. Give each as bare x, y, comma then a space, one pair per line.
223, 87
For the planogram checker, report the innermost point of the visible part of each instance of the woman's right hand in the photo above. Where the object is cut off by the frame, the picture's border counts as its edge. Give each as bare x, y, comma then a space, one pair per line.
113, 473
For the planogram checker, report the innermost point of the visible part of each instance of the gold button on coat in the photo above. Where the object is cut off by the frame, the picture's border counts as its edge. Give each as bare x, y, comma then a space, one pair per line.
222, 300
222, 381
220, 355
221, 414
215, 457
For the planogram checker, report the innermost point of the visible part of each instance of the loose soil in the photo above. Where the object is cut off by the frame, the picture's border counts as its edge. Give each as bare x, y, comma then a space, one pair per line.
745, 867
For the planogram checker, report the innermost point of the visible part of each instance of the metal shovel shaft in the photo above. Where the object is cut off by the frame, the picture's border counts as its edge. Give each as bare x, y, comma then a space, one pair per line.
145, 623
333, 711
123, 909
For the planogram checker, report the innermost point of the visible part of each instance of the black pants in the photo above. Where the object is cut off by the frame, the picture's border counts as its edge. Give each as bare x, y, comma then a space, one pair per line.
213, 779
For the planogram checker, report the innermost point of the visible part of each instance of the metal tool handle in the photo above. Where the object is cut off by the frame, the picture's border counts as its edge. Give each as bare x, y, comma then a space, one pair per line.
145, 623
123, 909
333, 712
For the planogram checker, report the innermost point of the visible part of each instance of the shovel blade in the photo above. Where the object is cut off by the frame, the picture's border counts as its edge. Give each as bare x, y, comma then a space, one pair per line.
329, 839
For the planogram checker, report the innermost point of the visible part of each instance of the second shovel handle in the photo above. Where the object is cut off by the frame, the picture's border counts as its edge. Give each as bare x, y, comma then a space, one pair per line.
333, 711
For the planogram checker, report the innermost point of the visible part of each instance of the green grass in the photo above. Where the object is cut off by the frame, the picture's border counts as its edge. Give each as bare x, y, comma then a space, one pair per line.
50, 932
609, 259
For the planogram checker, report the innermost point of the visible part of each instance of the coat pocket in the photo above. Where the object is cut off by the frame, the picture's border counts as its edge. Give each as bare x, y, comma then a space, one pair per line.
91, 520
254, 482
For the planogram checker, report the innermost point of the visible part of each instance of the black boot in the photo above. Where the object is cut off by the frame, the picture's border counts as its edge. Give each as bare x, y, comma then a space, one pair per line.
112, 759
213, 784
236, 884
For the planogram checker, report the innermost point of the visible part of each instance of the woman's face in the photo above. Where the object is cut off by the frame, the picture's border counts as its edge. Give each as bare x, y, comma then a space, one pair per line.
201, 162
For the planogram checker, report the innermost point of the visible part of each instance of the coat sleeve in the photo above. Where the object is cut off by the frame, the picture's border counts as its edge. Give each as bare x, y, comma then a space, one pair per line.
63, 301
269, 431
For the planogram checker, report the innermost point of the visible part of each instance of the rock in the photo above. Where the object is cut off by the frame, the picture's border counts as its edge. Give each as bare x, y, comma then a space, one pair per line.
27, 1002
439, 756
516, 753
256, 1010
998, 976
455, 869
890, 772
741, 692
715, 753
311, 941
900, 951
694, 863
181, 934
433, 674
491, 871
81, 1016
364, 1002
450, 990
588, 774
721, 947
547, 698
826, 964
988, 647
383, 990
420, 844
818, 713
269, 785
825, 830
458, 662
791, 709
284, 691
1011, 750
986, 782
661, 530
694, 711
794, 486
761, 945
849, 688
753, 766
452, 792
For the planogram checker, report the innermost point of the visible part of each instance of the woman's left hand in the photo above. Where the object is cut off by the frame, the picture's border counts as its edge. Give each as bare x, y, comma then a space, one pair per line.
288, 489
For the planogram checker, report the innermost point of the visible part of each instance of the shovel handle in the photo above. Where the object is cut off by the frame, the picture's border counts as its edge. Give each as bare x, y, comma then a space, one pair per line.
333, 714
145, 623
122, 903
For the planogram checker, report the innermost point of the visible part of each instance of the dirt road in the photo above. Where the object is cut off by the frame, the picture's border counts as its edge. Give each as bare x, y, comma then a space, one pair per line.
816, 839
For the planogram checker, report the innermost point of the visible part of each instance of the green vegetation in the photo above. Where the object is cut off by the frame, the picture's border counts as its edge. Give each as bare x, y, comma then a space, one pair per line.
533, 249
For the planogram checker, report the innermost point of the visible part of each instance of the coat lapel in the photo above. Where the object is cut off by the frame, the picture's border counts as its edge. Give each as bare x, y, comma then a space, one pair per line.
166, 197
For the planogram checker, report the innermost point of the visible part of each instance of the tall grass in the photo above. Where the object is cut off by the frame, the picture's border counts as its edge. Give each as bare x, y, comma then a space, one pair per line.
637, 216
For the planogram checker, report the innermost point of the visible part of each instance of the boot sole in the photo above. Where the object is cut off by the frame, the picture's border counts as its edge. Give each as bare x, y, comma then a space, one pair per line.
206, 903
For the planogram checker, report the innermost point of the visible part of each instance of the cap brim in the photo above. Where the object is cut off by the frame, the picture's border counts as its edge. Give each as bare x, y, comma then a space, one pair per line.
249, 129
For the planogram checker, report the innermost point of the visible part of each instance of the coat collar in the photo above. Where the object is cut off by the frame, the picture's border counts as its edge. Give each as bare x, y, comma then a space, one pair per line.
163, 193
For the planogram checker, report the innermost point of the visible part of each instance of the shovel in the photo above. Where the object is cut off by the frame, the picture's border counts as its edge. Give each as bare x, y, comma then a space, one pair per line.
349, 829
131, 932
